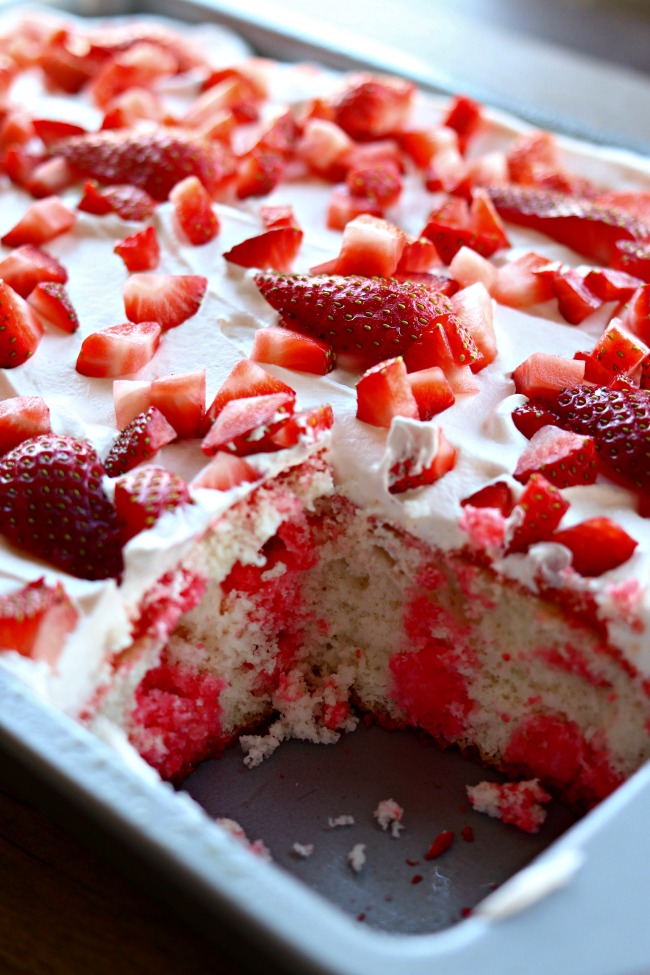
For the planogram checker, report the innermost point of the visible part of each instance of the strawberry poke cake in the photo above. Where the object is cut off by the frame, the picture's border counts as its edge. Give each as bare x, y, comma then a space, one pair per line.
322, 398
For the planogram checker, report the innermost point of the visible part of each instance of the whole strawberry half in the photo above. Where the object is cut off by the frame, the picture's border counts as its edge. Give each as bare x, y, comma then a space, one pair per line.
154, 161
371, 318
53, 505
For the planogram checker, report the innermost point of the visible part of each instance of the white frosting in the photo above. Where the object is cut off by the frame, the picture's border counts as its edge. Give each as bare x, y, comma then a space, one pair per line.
478, 425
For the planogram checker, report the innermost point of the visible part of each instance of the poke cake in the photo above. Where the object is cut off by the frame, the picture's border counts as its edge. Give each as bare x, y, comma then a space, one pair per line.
323, 399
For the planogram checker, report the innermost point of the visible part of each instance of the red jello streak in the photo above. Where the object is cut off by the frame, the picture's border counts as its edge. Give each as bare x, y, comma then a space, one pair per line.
441, 843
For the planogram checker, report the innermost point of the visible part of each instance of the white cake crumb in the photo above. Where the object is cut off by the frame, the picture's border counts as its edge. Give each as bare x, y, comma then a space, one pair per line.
256, 846
389, 816
357, 857
303, 850
333, 822
518, 803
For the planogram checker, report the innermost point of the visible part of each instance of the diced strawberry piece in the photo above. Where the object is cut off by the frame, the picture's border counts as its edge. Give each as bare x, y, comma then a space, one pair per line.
51, 131
407, 475
27, 266
369, 107
278, 217
246, 426
518, 284
36, 620
129, 202
484, 218
43, 221
52, 302
193, 210
343, 207
322, 147
432, 391
633, 257
138, 442
468, 267
473, 308
464, 350
20, 329
418, 256
22, 417
432, 349
259, 173
422, 145
619, 351
464, 116
542, 375
51, 177
306, 425
169, 299
20, 165
225, 471
383, 392
246, 378
575, 300
371, 247
497, 495
539, 511
130, 397
139, 251
180, 398
565, 459
531, 417
16, 129
118, 350
634, 202
611, 285
534, 159
594, 372
129, 108
635, 316
142, 496
462, 380
272, 250
138, 67
64, 69
597, 545
283, 347
381, 183
456, 224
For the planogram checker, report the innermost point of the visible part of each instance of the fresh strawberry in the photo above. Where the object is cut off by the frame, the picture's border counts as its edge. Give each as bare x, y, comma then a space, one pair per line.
383, 392
245, 379
153, 160
169, 299
518, 283
584, 226
246, 426
408, 475
542, 375
53, 505
618, 420
564, 458
418, 256
464, 116
432, 391
536, 514
323, 147
597, 545
575, 301
306, 425
138, 442
43, 221
142, 496
458, 224
468, 267
225, 471
36, 620
634, 202
343, 207
371, 319
497, 495
611, 285
473, 308
283, 347
20, 329
118, 350
619, 351
139, 251
259, 173
531, 417
381, 183
371, 246
181, 400
278, 216
594, 372
128, 202
23, 268
193, 210
50, 177
534, 159
635, 316
633, 257
22, 417
130, 397
369, 107
51, 131
51, 301
273, 250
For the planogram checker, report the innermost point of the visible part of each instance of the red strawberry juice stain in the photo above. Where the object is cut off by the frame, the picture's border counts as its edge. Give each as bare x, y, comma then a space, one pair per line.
417, 878
467, 834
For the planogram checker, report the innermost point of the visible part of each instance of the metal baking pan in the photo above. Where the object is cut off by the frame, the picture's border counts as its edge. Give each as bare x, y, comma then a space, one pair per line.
571, 899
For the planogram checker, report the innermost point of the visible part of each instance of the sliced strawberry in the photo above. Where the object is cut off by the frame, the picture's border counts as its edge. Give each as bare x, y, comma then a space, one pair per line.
246, 426
381, 183
16, 129
619, 351
51, 131
169, 299
27, 266
371, 319
565, 459
322, 147
154, 161
418, 256
497, 495
542, 375
344, 207
633, 257
432, 391
432, 349
53, 505
20, 329
130, 108
578, 223
456, 224
611, 285
245, 379
130, 397
43, 221
22, 417
383, 392
273, 250
594, 372
51, 301
468, 267
280, 135
142, 496
575, 300
139, 66
474, 309
129, 202
278, 217
259, 173
225, 471
20, 165
180, 398
518, 284
597, 545
118, 350
531, 417
371, 246
634, 202
635, 316
36, 620
283, 347
139, 251
138, 442
539, 511
369, 107
193, 210
307, 425
408, 475
464, 116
